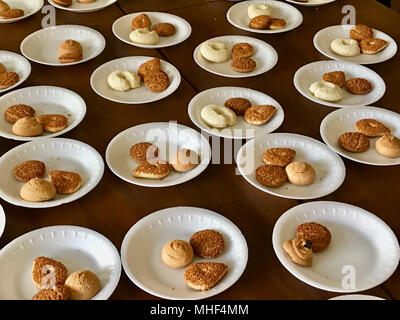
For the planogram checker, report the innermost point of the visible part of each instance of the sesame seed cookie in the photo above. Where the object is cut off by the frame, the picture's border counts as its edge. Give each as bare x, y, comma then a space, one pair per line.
271, 176
207, 243
354, 141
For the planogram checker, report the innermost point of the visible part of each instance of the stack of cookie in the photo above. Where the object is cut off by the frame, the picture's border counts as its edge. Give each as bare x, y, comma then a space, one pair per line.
280, 167
207, 244
387, 145
260, 15
144, 33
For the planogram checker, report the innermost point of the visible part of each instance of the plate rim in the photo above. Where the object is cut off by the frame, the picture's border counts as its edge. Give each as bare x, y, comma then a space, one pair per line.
53, 203
164, 211
51, 135
56, 5
94, 31
175, 69
217, 134
310, 5
196, 51
26, 62
284, 4
333, 104
156, 46
3, 220
299, 276
273, 193
337, 58
330, 115
144, 184
113, 284
40, 6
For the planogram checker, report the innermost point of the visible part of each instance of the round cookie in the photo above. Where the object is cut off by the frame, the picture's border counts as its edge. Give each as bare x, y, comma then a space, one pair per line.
345, 47
277, 24
18, 111
242, 49
65, 182
259, 115
59, 292
8, 79
28, 170
155, 170
144, 36
149, 67
260, 22
271, 176
143, 152
388, 146
53, 122
218, 116
185, 160
371, 128
318, 234
215, 51
280, 157
82, 285
70, 51
238, 105
300, 173
360, 32
177, 254
326, 91
354, 141
12, 14
27, 127
207, 243
141, 21
42, 266
358, 86
372, 45
336, 77
157, 81
243, 64
164, 29
37, 190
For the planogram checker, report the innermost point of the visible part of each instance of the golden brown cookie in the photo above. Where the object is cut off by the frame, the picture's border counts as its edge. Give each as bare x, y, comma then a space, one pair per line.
277, 23
336, 77
3, 7
27, 127
372, 46
280, 157
66, 182
300, 173
28, 170
37, 190
18, 111
150, 66
371, 128
65, 3
388, 146
164, 29
360, 32
318, 234
70, 51
141, 21
53, 122
207, 243
8, 79
354, 141
157, 81
259, 115
299, 251
47, 272
271, 176
185, 160
12, 14
242, 49
155, 170
177, 254
59, 292
238, 105
260, 22
143, 152
358, 86
2, 68
204, 275
83, 285
243, 64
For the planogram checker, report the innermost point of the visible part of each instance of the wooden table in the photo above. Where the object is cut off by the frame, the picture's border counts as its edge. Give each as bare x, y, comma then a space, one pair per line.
218, 188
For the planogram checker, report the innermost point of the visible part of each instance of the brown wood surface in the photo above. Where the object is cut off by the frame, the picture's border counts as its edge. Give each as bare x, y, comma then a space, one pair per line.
114, 206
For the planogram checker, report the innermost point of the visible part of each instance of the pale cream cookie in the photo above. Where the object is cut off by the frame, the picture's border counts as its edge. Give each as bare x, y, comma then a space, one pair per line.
215, 51
218, 116
144, 36
326, 91
345, 47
